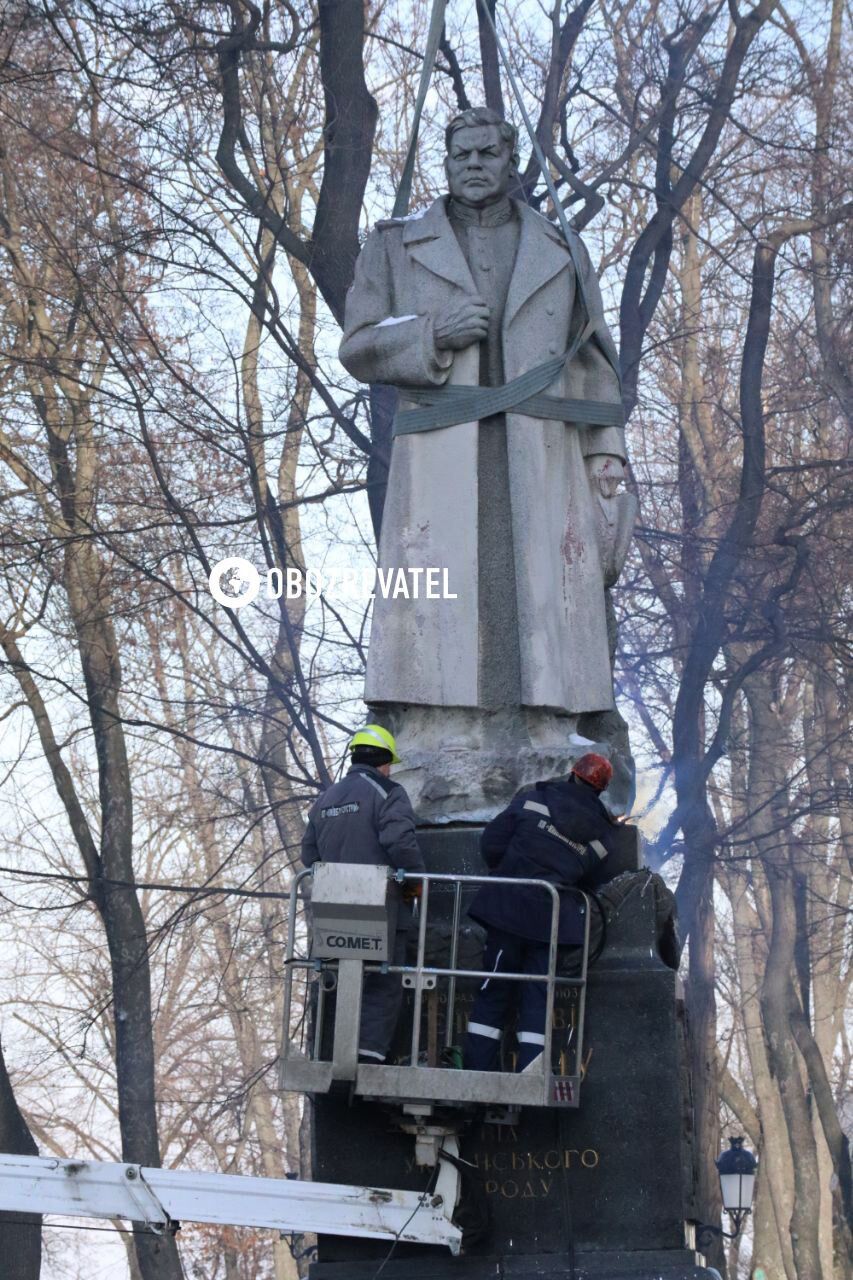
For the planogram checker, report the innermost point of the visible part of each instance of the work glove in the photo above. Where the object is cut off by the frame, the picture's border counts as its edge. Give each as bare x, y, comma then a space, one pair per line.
412, 890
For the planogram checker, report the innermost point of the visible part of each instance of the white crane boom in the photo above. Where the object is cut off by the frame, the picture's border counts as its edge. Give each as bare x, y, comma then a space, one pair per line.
161, 1198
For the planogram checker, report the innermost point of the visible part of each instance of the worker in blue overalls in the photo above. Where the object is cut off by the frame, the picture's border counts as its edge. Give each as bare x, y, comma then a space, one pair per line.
367, 817
557, 831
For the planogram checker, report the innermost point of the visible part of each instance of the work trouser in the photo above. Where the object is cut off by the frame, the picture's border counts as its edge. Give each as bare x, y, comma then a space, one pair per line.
382, 997
507, 953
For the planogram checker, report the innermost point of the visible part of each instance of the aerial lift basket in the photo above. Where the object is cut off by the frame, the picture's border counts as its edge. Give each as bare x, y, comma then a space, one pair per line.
352, 921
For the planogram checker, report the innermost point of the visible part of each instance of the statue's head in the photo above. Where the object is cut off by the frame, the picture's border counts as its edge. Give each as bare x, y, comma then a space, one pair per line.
482, 156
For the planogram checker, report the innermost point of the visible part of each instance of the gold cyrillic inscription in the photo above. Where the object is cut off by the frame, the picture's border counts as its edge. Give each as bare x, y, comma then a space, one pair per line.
521, 1162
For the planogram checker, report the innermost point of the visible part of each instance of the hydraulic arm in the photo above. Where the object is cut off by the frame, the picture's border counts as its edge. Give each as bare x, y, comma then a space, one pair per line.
163, 1198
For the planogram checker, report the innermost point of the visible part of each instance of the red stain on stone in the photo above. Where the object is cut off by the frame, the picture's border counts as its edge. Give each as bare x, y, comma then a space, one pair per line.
572, 545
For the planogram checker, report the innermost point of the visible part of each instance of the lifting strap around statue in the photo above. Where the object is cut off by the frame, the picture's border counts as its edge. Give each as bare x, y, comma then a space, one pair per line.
450, 405
404, 189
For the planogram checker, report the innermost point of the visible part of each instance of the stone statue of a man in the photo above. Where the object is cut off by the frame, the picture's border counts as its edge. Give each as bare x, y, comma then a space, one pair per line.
474, 311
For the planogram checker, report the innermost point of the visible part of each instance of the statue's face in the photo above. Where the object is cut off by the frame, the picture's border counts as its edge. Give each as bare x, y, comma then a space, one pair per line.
478, 165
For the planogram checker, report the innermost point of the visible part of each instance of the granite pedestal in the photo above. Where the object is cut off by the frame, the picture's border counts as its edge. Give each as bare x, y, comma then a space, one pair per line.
604, 1191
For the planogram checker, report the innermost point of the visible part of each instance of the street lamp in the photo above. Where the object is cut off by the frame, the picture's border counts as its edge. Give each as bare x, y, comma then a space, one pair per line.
736, 1168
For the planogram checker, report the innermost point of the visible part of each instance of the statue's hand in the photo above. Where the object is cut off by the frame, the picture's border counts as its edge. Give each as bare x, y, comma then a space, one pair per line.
606, 472
461, 324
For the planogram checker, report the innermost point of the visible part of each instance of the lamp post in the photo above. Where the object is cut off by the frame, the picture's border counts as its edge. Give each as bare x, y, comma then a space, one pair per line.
736, 1168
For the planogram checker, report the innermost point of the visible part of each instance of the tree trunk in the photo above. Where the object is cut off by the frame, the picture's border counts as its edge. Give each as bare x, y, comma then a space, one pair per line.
702, 1012
490, 59
232, 1270
769, 823
772, 1245
118, 903
20, 1233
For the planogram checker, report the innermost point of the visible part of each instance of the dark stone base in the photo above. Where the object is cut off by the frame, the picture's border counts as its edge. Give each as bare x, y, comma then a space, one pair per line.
666, 1264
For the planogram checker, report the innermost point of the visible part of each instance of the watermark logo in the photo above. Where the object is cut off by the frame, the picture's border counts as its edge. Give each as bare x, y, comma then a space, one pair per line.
241, 576
235, 582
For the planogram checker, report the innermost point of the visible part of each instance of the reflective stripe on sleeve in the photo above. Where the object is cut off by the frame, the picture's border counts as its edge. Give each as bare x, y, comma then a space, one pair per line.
530, 1037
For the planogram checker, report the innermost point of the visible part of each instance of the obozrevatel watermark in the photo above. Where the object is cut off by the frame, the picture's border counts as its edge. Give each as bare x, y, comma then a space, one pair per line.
235, 582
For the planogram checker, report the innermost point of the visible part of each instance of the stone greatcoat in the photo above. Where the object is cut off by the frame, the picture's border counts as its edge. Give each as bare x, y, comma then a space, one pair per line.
426, 651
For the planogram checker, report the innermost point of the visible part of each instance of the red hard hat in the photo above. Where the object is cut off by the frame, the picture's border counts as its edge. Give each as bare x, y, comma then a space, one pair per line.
595, 770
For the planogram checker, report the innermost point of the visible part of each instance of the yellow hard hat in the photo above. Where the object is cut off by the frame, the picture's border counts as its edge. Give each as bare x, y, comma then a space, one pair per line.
373, 735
